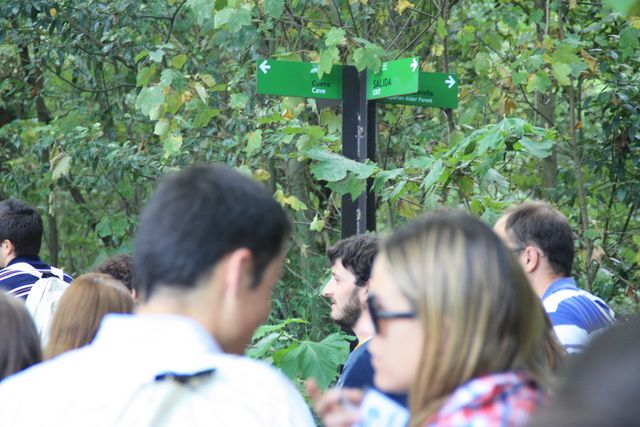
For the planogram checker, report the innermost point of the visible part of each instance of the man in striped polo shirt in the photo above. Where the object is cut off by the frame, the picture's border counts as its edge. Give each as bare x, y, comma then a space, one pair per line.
542, 240
20, 241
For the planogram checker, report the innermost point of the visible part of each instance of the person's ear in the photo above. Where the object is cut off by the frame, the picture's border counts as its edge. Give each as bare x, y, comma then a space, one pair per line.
364, 292
531, 259
237, 271
7, 247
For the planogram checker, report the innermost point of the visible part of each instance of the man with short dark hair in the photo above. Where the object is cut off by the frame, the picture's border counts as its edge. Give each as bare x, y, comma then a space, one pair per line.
207, 253
348, 289
541, 238
20, 241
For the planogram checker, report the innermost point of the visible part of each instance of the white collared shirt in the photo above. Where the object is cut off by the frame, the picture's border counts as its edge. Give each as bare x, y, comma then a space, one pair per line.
126, 377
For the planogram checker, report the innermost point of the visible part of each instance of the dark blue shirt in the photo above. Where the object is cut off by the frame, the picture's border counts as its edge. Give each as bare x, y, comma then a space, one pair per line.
18, 282
358, 373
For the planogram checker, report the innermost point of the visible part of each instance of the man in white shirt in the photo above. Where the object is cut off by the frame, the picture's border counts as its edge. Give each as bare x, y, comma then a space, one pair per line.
208, 251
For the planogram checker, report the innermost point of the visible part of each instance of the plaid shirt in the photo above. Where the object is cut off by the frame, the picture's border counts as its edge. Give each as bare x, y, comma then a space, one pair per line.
504, 399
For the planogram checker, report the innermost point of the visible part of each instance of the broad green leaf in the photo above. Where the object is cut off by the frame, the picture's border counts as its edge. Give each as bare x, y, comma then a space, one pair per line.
538, 82
61, 168
202, 93
333, 167
171, 77
254, 142
335, 36
233, 18
238, 101
317, 224
178, 61
264, 330
103, 228
149, 100
540, 149
629, 41
331, 120
368, 56
260, 348
161, 127
274, 8
317, 360
482, 63
351, 185
157, 55
204, 116
145, 74
624, 7
327, 58
202, 10
435, 174
441, 28
561, 73
519, 78
172, 144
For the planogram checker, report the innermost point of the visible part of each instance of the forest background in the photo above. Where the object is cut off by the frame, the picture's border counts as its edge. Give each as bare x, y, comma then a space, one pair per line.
99, 98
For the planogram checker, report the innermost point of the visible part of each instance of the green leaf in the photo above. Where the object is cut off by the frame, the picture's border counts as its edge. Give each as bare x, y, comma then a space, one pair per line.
103, 229
202, 10
233, 18
628, 41
161, 127
238, 101
156, 56
172, 144
435, 174
263, 330
204, 116
254, 142
369, 57
333, 167
202, 93
624, 7
274, 8
327, 58
61, 168
538, 82
540, 149
317, 224
351, 185
482, 63
317, 360
149, 101
331, 120
144, 75
178, 61
519, 78
335, 36
441, 28
170, 77
561, 73
260, 348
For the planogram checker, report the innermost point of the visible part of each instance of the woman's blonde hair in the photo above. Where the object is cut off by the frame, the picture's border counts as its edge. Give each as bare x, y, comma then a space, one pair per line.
81, 309
478, 311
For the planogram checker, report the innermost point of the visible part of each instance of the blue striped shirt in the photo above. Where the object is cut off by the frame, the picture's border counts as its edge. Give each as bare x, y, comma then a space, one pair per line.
17, 282
576, 314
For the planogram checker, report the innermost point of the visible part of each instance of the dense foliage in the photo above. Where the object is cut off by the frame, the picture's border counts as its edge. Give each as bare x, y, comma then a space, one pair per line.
98, 98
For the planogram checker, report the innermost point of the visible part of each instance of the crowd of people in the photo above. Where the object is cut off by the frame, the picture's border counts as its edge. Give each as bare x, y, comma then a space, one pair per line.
456, 323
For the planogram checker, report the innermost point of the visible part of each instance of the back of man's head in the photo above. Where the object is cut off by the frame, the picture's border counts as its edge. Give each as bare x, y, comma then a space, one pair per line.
195, 218
357, 254
540, 224
21, 225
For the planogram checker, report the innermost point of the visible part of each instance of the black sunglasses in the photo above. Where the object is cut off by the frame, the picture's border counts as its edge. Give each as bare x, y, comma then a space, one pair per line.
377, 313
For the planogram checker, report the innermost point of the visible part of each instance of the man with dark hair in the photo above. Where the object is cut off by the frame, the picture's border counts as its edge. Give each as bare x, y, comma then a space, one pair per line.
208, 251
120, 267
20, 241
541, 238
348, 288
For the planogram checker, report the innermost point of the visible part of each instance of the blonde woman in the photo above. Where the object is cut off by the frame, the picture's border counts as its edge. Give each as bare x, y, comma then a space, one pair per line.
457, 326
81, 309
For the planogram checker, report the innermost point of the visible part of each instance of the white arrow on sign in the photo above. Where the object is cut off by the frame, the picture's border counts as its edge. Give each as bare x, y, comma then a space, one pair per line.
264, 66
450, 81
414, 65
314, 69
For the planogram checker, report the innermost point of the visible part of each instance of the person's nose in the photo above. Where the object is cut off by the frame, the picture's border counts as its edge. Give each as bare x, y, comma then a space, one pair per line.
327, 291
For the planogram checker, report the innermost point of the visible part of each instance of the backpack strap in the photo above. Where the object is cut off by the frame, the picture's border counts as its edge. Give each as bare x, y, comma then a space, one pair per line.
25, 267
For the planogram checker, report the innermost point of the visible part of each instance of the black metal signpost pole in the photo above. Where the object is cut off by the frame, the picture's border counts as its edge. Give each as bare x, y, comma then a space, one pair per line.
358, 143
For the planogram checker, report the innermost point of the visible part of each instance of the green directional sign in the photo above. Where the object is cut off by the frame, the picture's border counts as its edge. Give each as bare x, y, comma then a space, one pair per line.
298, 79
394, 78
436, 90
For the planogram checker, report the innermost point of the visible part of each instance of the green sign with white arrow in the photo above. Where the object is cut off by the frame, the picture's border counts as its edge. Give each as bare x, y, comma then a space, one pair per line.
436, 90
299, 79
394, 78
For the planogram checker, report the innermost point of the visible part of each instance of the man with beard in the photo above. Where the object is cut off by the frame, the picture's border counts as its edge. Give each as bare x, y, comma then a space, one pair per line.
351, 261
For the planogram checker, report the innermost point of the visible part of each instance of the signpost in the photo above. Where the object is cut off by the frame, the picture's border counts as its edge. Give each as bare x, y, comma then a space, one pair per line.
435, 90
394, 78
397, 82
298, 79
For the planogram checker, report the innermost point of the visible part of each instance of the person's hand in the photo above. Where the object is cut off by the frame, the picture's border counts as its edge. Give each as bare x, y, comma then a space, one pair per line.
336, 407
